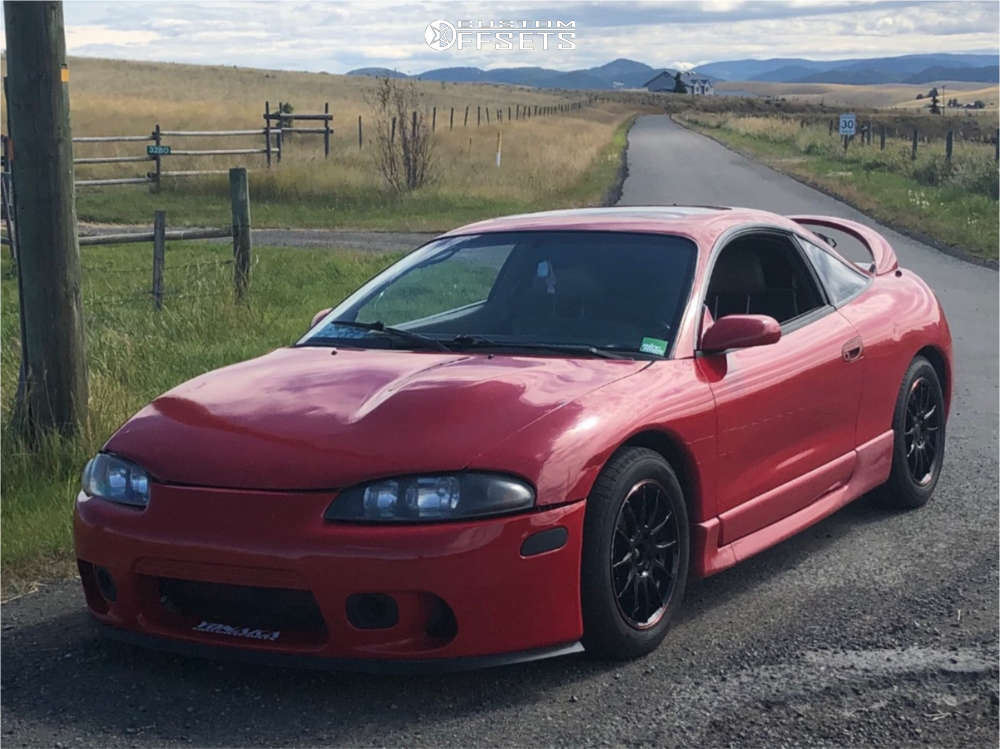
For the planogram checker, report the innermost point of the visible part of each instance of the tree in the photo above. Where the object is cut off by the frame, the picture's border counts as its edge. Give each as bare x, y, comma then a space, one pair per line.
404, 145
935, 104
679, 87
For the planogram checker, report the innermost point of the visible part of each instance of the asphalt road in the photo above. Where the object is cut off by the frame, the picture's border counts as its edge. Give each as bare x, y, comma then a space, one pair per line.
870, 628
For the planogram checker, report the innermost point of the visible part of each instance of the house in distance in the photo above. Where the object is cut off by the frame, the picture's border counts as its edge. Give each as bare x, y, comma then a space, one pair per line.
666, 82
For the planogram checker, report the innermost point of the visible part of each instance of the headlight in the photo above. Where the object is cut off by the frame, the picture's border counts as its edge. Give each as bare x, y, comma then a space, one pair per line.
116, 480
426, 498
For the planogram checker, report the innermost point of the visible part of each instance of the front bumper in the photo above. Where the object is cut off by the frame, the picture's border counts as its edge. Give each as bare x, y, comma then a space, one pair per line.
262, 572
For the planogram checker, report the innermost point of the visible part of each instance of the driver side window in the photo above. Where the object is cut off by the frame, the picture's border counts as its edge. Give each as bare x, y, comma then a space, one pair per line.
762, 274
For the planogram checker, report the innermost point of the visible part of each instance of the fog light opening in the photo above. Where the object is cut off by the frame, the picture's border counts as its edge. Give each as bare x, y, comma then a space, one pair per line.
441, 623
106, 584
372, 611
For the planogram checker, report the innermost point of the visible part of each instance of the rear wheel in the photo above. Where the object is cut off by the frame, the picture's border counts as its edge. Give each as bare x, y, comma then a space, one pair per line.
918, 443
635, 555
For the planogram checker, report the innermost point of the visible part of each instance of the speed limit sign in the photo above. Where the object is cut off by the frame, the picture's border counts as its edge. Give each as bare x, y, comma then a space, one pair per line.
848, 124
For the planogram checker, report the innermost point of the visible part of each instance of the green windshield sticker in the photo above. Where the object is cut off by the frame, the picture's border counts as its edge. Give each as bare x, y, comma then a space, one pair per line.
653, 346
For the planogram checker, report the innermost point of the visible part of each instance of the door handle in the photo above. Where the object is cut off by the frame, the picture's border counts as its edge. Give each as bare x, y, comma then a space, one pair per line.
852, 350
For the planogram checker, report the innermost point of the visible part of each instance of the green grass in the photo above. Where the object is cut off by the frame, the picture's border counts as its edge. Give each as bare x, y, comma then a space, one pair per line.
277, 201
954, 204
135, 354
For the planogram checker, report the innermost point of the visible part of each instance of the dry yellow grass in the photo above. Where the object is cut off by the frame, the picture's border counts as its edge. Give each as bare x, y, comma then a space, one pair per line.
541, 155
874, 96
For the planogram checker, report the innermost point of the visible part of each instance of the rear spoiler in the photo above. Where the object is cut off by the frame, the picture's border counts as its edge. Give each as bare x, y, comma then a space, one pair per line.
878, 246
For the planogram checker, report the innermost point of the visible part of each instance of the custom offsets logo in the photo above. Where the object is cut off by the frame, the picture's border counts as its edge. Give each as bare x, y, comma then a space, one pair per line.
526, 35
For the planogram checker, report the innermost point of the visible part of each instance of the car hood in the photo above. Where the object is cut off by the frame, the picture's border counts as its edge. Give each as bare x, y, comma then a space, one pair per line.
311, 418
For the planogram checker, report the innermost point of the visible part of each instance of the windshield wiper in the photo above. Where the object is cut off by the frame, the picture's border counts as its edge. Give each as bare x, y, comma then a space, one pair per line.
407, 336
477, 341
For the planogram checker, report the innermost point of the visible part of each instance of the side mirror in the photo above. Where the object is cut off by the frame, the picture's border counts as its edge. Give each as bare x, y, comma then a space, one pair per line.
319, 316
740, 331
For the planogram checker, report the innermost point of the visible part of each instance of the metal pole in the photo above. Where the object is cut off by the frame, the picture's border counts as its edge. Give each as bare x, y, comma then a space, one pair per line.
52, 390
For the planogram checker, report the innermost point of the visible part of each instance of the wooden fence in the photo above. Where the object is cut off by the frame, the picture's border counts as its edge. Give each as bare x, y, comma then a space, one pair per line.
867, 129
279, 125
159, 235
276, 127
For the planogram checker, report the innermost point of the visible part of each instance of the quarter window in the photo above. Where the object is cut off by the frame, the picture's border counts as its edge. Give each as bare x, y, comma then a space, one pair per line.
841, 281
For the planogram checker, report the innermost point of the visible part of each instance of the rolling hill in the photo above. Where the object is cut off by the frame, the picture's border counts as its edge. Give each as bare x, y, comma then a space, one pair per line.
625, 73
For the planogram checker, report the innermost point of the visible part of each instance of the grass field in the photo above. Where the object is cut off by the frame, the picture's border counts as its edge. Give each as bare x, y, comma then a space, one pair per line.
954, 203
135, 354
547, 162
881, 96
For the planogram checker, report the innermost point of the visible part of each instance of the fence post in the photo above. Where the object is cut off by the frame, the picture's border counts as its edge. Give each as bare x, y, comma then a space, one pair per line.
913, 153
326, 131
434, 118
155, 187
948, 145
830, 123
239, 194
267, 131
479, 115
392, 132
279, 140
881, 137
508, 113
487, 116
996, 146
451, 119
413, 127
360, 141
466, 123
159, 250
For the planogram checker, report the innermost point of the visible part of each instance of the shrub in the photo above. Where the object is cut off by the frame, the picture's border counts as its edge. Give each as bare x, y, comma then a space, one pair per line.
933, 170
403, 142
975, 175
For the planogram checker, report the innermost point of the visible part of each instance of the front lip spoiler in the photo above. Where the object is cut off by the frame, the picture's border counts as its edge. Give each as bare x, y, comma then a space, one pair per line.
321, 663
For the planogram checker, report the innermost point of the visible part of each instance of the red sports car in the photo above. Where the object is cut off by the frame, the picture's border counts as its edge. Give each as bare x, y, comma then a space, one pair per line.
522, 438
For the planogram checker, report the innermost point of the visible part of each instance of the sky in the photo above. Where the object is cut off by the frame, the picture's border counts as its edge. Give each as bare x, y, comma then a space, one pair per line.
337, 37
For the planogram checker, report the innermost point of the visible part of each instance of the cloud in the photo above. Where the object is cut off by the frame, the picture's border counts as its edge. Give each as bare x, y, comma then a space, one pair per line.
318, 35
85, 36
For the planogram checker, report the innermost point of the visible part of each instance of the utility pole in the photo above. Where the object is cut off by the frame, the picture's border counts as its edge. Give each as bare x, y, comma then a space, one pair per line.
52, 391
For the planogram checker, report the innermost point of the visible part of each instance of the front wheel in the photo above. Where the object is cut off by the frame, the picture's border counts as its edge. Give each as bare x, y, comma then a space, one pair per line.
918, 442
635, 555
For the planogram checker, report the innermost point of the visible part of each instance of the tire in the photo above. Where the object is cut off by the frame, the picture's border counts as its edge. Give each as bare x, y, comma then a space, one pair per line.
627, 518
918, 425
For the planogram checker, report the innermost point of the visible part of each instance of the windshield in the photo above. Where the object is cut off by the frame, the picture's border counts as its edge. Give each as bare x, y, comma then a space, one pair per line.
582, 292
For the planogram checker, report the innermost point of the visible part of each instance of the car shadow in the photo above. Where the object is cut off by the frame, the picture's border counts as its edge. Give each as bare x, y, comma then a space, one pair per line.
61, 672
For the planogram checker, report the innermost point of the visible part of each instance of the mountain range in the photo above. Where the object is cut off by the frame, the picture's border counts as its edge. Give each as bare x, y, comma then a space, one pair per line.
631, 74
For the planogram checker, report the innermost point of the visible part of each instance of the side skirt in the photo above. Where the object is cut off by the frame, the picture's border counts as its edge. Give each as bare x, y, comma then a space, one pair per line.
874, 462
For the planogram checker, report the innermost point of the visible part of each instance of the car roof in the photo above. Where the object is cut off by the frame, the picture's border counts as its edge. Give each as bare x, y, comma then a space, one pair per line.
701, 223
